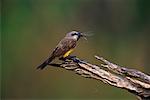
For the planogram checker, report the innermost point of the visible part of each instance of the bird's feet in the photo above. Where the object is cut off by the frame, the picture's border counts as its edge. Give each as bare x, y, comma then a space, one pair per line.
70, 58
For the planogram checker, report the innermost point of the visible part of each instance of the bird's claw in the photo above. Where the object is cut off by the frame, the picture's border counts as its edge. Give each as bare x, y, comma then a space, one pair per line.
70, 58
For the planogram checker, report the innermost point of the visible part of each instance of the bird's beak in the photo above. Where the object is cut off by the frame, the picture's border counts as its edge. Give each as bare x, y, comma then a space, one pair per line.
83, 35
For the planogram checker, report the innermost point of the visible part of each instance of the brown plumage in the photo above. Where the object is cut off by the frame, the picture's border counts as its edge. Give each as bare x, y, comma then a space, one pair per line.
66, 44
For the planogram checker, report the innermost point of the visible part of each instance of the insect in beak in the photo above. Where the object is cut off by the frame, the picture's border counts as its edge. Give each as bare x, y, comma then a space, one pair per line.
83, 35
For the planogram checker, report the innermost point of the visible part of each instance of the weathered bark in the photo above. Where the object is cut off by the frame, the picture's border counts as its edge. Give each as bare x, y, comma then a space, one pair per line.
132, 80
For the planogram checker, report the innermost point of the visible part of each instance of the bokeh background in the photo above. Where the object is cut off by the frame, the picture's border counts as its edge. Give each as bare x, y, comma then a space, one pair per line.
32, 28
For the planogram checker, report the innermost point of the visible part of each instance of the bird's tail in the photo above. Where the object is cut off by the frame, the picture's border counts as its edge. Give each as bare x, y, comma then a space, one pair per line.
45, 63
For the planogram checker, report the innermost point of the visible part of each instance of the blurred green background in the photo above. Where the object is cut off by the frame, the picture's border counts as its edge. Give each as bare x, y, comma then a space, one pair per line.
32, 28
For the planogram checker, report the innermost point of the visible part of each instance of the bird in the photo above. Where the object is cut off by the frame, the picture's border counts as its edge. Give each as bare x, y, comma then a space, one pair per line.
64, 47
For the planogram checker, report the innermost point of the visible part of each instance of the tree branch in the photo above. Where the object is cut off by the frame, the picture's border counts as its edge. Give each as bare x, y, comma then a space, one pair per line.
131, 80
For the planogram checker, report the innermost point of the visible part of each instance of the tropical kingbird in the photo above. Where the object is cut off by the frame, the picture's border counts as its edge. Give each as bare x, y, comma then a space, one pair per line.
64, 47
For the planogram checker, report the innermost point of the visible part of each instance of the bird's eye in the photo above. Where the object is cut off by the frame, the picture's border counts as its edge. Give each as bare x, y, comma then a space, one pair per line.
74, 34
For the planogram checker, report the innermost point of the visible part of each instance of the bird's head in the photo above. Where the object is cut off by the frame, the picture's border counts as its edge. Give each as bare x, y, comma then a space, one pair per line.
76, 35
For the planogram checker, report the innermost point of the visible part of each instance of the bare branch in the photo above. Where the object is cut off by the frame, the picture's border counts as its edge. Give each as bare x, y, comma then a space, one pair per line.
128, 79
126, 71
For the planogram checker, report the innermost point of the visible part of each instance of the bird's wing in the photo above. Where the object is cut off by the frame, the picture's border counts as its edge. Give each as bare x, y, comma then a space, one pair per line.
64, 45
